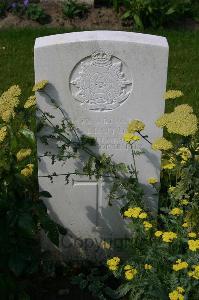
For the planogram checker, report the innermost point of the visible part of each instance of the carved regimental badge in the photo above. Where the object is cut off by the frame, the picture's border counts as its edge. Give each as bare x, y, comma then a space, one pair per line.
99, 82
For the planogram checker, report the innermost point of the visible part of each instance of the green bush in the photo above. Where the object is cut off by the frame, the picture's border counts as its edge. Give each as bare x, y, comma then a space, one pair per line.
36, 13
156, 13
72, 9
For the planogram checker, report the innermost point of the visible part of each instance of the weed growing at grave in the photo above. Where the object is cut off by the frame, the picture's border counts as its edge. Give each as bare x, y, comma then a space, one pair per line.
23, 214
72, 9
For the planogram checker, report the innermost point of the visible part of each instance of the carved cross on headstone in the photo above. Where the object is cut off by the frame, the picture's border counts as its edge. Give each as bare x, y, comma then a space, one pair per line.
99, 193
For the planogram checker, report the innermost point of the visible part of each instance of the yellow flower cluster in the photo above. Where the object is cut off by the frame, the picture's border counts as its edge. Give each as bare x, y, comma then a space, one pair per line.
133, 212
158, 233
40, 85
3, 132
168, 236
8, 101
129, 137
176, 211
147, 225
105, 245
130, 272
181, 121
195, 272
161, 144
172, 94
147, 267
184, 201
184, 153
135, 126
171, 189
30, 102
23, 153
192, 235
152, 180
168, 164
28, 170
193, 245
177, 294
180, 265
113, 263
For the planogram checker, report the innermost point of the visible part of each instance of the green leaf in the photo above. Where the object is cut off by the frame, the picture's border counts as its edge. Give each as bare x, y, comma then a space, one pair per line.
28, 135
126, 15
170, 11
138, 22
45, 194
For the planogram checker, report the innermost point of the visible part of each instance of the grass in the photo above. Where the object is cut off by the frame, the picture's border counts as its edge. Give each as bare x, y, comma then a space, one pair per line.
16, 61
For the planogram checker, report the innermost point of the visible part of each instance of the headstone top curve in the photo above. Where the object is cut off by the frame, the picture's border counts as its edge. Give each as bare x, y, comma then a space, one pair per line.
103, 35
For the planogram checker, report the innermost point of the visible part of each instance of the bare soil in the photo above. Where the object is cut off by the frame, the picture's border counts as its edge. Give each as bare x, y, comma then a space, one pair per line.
97, 18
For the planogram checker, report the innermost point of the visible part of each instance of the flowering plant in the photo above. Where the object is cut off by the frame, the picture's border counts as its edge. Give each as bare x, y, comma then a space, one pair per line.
23, 214
163, 261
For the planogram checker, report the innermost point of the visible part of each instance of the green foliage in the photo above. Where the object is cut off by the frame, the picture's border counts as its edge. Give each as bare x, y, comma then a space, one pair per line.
156, 13
95, 282
36, 13
72, 9
23, 214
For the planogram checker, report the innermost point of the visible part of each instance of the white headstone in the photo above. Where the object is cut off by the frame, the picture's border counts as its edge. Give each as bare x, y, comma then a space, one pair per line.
103, 80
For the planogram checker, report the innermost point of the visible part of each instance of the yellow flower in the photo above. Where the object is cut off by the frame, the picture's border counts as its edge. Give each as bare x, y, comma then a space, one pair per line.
161, 144
176, 211
3, 132
28, 170
185, 225
172, 189
129, 137
195, 272
135, 126
147, 225
180, 265
193, 245
40, 85
147, 267
30, 102
143, 215
133, 212
180, 289
152, 180
113, 263
192, 235
168, 166
8, 101
130, 274
105, 245
158, 233
176, 294
172, 94
128, 267
184, 202
169, 236
184, 152
23, 153
181, 121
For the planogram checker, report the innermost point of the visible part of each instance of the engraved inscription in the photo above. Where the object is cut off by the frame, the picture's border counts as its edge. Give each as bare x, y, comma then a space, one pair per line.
107, 132
99, 82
